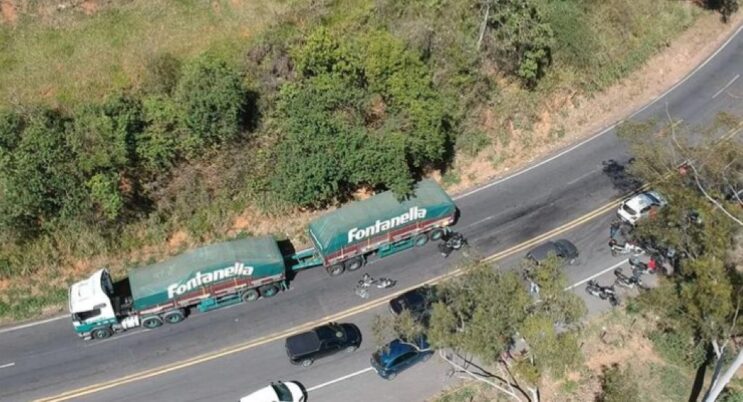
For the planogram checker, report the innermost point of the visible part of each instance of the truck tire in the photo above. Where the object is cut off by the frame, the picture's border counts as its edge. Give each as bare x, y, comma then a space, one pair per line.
335, 270
354, 263
306, 362
174, 316
436, 234
101, 333
152, 322
269, 291
250, 295
421, 240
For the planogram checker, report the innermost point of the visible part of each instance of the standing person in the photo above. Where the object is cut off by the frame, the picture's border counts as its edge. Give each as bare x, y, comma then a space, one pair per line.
652, 264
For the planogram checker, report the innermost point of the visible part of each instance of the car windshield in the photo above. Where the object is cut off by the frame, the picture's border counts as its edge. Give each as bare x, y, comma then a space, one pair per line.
282, 391
561, 250
377, 357
653, 199
629, 210
330, 332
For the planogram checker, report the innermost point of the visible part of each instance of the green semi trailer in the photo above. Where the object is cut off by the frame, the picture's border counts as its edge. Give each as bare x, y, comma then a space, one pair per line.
246, 269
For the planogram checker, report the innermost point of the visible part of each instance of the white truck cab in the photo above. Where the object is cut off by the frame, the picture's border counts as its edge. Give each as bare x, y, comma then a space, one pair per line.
93, 314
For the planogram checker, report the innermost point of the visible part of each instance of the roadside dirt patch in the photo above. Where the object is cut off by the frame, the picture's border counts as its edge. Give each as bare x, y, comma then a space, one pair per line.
177, 239
8, 12
89, 7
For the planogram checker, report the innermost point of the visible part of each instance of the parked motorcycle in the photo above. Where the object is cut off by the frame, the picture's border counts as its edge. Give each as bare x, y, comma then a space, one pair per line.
641, 267
625, 248
602, 292
628, 281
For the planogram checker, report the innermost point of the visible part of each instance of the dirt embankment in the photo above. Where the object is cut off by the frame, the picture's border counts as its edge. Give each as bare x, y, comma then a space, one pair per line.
569, 117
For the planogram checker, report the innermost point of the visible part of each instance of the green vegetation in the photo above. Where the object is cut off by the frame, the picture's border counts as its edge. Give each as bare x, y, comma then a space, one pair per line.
485, 313
111, 142
618, 385
699, 304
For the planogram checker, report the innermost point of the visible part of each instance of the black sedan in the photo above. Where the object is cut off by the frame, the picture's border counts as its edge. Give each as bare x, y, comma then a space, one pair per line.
561, 248
418, 301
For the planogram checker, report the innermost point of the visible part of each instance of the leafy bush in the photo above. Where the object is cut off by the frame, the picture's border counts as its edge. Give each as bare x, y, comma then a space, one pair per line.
357, 121
731, 395
618, 385
11, 127
40, 181
679, 347
104, 191
158, 144
102, 136
213, 101
522, 40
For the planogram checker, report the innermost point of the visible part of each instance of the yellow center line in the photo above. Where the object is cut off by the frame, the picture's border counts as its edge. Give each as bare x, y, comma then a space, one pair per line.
309, 325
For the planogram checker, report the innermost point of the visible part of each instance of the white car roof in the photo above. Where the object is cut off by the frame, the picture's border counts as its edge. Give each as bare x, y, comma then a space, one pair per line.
268, 394
265, 394
87, 294
640, 201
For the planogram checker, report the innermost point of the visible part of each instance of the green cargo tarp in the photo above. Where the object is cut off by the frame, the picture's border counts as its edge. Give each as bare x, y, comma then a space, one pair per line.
378, 215
158, 283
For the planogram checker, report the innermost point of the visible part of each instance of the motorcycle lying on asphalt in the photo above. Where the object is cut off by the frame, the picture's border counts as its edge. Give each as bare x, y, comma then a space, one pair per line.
451, 241
362, 287
602, 292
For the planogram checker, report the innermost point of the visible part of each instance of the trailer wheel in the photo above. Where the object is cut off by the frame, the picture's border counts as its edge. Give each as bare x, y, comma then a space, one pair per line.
250, 295
355, 263
421, 240
101, 333
436, 234
269, 290
174, 317
152, 322
335, 270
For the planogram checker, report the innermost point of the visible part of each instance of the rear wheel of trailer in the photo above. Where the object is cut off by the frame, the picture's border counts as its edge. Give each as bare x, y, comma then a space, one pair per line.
174, 316
269, 290
354, 263
250, 295
335, 269
152, 322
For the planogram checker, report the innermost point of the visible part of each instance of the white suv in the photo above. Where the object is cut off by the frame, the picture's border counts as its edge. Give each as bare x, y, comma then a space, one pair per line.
639, 206
278, 391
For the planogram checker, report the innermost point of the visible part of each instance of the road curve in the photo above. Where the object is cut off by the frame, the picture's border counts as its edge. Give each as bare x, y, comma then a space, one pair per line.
48, 359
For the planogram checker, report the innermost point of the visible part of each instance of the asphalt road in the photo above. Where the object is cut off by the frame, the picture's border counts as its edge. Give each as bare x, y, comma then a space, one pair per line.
48, 359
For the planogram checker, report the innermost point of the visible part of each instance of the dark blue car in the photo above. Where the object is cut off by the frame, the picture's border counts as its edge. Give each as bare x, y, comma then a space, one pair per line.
398, 355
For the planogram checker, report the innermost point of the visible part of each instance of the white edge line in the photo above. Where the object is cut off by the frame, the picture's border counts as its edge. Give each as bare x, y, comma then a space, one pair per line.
617, 265
486, 186
7, 365
609, 128
726, 86
31, 324
116, 338
339, 379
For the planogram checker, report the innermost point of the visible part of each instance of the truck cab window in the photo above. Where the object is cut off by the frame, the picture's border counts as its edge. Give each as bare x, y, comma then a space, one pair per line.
106, 284
84, 315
